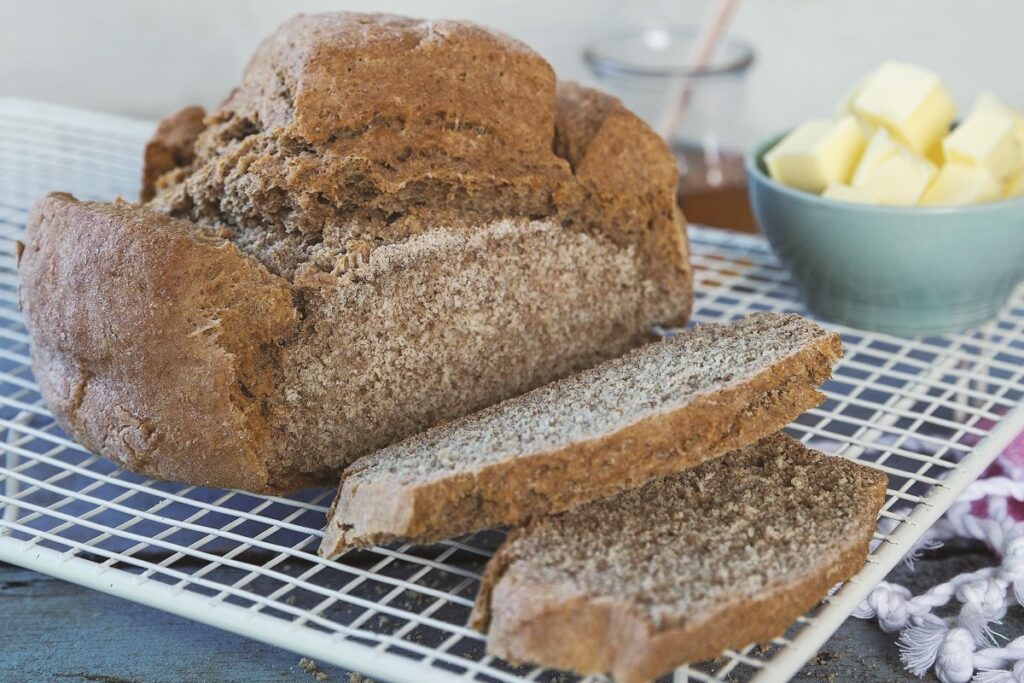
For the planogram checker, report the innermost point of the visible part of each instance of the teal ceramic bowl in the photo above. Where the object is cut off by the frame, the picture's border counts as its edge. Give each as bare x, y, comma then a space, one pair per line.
903, 270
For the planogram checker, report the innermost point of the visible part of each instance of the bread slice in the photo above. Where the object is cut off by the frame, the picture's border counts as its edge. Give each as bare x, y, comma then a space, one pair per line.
657, 410
722, 555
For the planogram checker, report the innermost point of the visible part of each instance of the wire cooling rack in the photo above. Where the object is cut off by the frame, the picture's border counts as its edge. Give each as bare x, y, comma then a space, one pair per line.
930, 413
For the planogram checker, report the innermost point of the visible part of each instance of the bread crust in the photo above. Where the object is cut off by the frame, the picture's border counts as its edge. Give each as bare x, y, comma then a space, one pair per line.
556, 625
154, 343
511, 491
170, 147
609, 150
568, 631
319, 72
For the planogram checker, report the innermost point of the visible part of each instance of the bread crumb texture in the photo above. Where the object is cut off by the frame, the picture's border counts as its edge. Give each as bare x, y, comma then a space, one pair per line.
443, 226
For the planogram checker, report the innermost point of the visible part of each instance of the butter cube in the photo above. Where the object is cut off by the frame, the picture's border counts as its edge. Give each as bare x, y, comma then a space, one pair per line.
936, 155
848, 193
987, 100
817, 153
987, 137
911, 102
880, 147
891, 173
1015, 187
900, 180
959, 184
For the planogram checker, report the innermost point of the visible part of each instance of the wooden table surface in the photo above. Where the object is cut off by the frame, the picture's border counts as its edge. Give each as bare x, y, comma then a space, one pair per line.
58, 632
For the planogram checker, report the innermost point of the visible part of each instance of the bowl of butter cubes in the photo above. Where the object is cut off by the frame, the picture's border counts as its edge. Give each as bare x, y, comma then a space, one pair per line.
896, 214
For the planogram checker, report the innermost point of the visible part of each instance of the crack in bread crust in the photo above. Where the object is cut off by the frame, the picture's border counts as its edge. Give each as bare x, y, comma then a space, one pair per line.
297, 173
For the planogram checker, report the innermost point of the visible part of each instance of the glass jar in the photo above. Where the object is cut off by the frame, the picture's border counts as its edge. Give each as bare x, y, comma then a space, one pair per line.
646, 67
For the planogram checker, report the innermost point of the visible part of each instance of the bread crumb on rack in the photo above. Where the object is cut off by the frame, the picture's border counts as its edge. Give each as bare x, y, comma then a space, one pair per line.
310, 667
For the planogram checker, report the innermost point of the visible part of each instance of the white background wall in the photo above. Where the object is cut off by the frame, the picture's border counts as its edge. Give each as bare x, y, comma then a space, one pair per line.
147, 57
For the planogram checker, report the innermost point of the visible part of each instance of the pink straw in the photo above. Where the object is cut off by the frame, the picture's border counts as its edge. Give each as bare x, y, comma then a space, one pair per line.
698, 60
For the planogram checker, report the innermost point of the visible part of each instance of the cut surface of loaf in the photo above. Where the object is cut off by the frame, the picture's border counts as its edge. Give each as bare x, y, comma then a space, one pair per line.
441, 223
723, 555
659, 409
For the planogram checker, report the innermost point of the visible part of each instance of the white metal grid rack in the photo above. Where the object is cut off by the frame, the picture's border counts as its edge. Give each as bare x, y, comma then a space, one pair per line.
931, 413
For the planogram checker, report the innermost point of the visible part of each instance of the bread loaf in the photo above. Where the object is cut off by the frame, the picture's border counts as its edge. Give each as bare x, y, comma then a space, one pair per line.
723, 555
389, 223
657, 410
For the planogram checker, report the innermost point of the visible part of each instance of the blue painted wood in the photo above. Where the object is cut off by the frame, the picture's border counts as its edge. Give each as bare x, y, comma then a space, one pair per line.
55, 631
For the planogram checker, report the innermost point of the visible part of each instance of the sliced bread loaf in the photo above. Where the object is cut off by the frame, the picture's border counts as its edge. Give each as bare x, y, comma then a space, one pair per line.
442, 226
657, 410
722, 555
